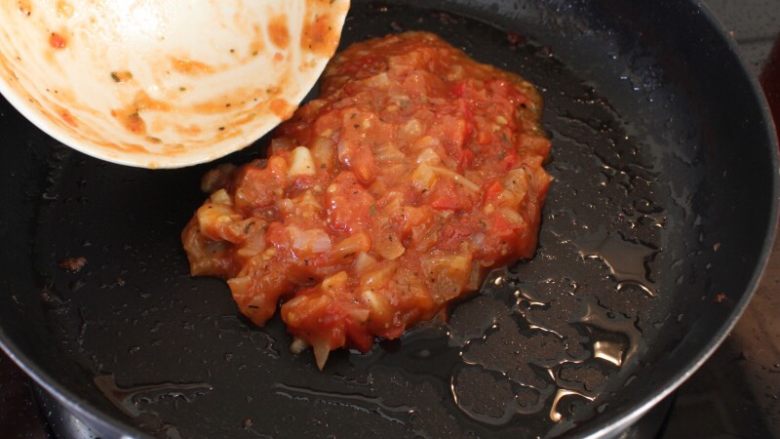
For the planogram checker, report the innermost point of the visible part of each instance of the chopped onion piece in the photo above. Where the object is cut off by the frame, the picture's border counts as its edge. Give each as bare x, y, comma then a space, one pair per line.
463, 181
429, 156
423, 177
363, 261
336, 281
412, 128
322, 151
447, 274
359, 242
378, 276
378, 80
321, 352
516, 182
221, 197
239, 286
359, 315
298, 345
389, 246
253, 245
388, 152
214, 220
380, 308
512, 216
301, 162
312, 240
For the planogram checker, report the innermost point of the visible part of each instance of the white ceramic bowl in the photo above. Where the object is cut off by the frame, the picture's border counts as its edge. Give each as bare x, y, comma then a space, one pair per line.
163, 83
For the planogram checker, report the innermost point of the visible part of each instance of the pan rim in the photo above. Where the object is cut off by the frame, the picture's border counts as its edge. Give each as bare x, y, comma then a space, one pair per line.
75, 404
598, 427
601, 428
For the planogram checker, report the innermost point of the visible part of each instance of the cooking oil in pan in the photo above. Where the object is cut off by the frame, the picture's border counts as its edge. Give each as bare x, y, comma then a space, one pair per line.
356, 401
627, 261
542, 346
135, 400
546, 341
132, 399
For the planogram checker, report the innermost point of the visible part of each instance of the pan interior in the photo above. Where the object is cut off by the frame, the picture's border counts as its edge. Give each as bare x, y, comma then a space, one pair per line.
628, 247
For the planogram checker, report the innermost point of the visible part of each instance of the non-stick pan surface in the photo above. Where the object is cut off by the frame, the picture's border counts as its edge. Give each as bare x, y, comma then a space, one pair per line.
655, 232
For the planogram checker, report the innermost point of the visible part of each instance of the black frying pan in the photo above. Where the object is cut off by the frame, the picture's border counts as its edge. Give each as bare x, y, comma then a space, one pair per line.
655, 234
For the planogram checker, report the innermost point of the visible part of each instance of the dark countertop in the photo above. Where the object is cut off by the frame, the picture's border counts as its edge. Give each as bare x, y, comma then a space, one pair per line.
19, 416
754, 24
735, 394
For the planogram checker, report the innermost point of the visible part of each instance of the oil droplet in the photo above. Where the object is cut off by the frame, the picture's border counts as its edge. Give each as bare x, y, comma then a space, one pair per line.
525, 297
597, 317
609, 351
473, 318
626, 260
491, 398
353, 400
494, 404
129, 399
547, 330
555, 414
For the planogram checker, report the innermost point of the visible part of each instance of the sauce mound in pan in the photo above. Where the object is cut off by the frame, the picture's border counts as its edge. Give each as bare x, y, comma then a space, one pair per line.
382, 201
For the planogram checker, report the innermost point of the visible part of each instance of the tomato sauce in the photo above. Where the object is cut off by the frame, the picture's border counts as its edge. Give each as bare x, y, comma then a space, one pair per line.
383, 200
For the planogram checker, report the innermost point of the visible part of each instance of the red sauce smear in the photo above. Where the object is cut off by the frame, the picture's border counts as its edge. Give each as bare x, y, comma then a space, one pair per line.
320, 35
68, 117
382, 201
278, 32
57, 41
191, 67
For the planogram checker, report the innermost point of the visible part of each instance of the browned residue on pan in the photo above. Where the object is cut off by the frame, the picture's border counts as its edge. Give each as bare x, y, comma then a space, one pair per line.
278, 32
73, 264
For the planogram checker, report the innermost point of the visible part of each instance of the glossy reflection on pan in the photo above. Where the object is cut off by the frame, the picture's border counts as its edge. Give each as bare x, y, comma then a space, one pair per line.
654, 234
